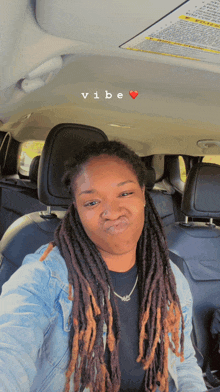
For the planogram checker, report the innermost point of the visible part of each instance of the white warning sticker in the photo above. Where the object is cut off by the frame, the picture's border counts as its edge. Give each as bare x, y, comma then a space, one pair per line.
191, 31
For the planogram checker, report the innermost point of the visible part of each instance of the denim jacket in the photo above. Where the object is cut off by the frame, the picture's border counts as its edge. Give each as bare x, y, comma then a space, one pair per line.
35, 326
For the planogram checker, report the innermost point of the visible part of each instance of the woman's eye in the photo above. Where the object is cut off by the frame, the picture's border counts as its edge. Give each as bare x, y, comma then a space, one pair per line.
91, 204
127, 193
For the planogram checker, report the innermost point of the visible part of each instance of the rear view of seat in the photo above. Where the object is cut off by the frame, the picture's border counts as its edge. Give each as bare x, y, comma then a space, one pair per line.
195, 248
162, 198
19, 197
164, 204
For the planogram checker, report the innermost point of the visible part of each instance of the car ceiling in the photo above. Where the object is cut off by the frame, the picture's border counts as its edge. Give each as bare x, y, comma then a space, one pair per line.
178, 98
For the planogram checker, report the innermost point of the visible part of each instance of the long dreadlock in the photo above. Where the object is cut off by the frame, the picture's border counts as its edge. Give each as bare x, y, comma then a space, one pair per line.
160, 311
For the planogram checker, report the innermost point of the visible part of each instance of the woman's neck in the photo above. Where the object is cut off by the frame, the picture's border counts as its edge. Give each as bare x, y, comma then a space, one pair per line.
119, 263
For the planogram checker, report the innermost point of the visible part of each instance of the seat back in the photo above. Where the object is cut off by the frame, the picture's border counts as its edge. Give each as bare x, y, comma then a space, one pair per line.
18, 196
195, 248
31, 231
164, 204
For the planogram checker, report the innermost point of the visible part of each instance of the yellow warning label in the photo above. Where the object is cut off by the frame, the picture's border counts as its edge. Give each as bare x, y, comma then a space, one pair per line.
200, 21
164, 54
177, 43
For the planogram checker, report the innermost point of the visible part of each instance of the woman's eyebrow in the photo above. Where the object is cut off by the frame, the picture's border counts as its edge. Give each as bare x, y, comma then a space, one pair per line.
125, 182
89, 191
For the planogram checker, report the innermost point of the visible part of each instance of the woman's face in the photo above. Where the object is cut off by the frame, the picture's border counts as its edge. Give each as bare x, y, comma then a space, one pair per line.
110, 204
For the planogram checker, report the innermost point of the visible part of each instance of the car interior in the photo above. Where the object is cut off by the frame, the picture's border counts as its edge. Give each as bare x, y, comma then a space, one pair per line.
146, 74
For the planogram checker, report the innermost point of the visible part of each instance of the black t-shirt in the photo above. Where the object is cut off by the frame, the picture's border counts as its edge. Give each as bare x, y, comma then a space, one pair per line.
132, 373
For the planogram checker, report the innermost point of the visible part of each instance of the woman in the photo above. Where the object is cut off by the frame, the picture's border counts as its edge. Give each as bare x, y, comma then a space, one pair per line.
101, 308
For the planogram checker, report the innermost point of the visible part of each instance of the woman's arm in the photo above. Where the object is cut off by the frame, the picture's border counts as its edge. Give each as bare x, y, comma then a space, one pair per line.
26, 306
189, 373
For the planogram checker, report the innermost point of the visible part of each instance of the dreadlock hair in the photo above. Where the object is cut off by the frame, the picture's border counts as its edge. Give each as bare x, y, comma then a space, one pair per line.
160, 311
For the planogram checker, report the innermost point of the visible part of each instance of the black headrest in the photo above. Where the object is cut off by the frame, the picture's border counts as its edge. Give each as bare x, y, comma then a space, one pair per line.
63, 141
33, 171
202, 191
151, 178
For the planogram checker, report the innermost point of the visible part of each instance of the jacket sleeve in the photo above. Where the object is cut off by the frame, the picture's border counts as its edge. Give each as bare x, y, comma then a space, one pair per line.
26, 306
189, 374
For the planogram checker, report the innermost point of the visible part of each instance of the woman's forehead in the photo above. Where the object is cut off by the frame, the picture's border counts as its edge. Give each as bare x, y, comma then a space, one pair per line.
107, 160
105, 167
97, 164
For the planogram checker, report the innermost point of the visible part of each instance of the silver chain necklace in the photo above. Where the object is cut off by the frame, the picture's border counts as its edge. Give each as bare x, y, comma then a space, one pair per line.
127, 297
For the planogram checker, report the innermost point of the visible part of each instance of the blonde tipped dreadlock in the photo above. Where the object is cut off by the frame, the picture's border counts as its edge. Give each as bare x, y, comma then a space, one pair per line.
160, 312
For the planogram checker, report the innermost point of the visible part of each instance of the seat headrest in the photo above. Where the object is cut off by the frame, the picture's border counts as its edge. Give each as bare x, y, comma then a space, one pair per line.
33, 171
201, 197
151, 178
62, 142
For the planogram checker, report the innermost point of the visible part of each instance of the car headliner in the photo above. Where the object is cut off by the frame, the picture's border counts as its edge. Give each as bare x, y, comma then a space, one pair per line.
178, 98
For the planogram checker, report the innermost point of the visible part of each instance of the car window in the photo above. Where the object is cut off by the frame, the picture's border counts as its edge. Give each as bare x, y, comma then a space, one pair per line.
28, 151
211, 159
182, 167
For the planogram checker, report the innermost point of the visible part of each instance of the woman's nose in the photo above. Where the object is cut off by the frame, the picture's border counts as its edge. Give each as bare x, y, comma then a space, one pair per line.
111, 211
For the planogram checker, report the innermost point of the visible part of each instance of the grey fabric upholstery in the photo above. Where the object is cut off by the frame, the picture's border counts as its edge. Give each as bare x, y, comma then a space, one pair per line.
195, 248
25, 236
164, 204
202, 191
18, 196
33, 171
151, 178
198, 249
14, 204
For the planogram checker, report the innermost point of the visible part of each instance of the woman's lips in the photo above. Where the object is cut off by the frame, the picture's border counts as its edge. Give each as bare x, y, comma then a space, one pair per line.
117, 226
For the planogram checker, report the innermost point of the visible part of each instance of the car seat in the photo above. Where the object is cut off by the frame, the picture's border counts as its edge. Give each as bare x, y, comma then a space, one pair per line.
31, 231
18, 196
195, 248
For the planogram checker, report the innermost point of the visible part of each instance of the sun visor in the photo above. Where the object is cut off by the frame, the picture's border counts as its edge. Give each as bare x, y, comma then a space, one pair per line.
109, 23
191, 31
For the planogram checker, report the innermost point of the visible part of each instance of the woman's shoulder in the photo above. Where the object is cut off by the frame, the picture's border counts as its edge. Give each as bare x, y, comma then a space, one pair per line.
37, 282
35, 275
53, 264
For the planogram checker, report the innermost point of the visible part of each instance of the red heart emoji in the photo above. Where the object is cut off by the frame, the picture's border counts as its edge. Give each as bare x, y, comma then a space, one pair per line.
133, 94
